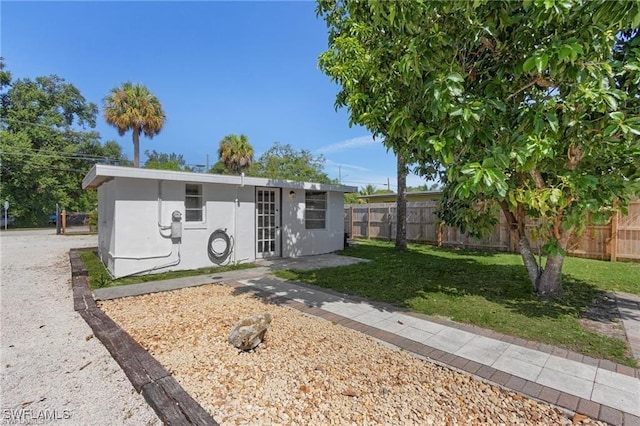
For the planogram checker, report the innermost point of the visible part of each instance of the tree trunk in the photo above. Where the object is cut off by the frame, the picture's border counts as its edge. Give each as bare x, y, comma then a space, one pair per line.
529, 260
546, 282
550, 280
401, 205
136, 147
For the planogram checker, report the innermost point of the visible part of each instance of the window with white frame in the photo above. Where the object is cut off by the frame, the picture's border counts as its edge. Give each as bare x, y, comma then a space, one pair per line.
315, 213
193, 203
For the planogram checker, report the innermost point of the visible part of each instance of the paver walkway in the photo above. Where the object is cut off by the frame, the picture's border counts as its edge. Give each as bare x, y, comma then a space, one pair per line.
599, 389
629, 308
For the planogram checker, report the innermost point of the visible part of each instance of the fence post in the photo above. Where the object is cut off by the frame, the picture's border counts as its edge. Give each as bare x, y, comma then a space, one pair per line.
614, 236
63, 219
440, 231
368, 222
351, 222
389, 221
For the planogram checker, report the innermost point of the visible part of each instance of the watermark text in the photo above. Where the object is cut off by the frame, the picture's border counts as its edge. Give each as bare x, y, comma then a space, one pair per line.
28, 416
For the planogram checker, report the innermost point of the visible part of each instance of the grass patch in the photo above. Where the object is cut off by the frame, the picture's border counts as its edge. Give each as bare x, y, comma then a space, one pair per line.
491, 290
100, 278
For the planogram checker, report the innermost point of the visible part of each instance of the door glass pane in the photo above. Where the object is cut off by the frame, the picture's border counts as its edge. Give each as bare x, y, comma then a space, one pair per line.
266, 231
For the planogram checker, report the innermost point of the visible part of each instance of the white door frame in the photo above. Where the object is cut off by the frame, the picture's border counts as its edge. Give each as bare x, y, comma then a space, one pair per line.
268, 218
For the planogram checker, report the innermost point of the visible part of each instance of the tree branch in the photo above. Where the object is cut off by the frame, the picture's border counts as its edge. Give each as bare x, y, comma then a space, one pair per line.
537, 178
525, 87
539, 80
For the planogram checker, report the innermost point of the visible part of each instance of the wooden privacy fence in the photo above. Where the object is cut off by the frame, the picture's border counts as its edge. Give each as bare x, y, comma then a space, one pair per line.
618, 239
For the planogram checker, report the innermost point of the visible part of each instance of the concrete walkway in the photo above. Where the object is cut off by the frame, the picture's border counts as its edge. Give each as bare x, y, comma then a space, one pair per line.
599, 389
629, 308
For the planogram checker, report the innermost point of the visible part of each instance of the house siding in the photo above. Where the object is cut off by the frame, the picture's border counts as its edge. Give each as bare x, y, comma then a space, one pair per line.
130, 241
298, 241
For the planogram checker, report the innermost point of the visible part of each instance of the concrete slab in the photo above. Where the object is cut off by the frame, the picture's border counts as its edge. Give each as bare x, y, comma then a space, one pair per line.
482, 349
424, 325
565, 383
347, 309
518, 367
391, 324
617, 398
416, 335
307, 263
622, 382
372, 317
308, 296
449, 339
526, 355
573, 368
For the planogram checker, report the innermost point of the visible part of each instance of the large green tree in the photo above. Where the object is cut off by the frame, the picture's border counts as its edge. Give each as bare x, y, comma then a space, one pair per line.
46, 147
133, 107
235, 155
164, 161
284, 162
531, 107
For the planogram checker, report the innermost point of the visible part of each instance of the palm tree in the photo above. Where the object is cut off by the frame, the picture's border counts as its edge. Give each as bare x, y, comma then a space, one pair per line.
370, 189
134, 107
236, 153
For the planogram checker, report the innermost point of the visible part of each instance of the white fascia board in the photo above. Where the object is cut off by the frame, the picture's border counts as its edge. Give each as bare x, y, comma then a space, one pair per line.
101, 173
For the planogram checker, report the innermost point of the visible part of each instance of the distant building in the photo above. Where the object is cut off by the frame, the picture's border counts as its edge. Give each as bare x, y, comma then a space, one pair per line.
392, 197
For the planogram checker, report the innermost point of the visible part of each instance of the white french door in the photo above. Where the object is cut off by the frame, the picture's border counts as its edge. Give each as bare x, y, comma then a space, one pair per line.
267, 222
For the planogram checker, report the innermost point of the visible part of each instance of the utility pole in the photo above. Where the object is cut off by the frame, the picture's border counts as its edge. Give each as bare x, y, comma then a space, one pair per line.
207, 162
339, 174
388, 185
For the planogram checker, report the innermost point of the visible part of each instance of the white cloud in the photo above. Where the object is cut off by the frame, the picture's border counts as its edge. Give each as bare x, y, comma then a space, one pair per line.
336, 164
348, 144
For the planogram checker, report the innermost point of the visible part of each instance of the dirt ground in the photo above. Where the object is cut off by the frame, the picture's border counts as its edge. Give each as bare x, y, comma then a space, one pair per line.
51, 366
308, 370
603, 317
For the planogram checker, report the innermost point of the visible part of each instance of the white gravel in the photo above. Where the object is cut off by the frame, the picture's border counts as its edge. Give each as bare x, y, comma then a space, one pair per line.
51, 365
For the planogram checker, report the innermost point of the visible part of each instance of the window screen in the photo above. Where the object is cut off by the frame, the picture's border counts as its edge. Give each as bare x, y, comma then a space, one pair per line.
315, 213
193, 203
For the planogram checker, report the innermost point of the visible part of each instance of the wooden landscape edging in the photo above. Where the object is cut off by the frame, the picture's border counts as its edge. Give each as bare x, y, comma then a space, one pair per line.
172, 404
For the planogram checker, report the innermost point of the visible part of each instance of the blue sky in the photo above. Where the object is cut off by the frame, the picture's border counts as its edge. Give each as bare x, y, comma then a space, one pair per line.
217, 67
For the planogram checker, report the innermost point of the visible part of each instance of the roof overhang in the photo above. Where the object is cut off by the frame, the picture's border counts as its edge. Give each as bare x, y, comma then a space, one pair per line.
101, 173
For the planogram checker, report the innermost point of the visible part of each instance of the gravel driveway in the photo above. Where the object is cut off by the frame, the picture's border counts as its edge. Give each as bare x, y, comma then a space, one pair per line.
53, 370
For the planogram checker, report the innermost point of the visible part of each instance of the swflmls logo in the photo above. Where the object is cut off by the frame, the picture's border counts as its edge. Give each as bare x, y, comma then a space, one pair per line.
28, 416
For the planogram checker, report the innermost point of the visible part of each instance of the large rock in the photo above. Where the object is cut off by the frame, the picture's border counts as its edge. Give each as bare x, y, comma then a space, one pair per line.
246, 334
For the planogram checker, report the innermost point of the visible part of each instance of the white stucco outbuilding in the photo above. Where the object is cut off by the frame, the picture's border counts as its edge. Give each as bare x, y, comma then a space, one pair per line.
158, 220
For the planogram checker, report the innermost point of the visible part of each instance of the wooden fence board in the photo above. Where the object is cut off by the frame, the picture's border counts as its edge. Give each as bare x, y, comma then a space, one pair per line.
618, 239
628, 235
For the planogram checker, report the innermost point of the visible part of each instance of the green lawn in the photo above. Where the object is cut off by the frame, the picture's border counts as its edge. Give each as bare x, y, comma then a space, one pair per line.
490, 290
100, 278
